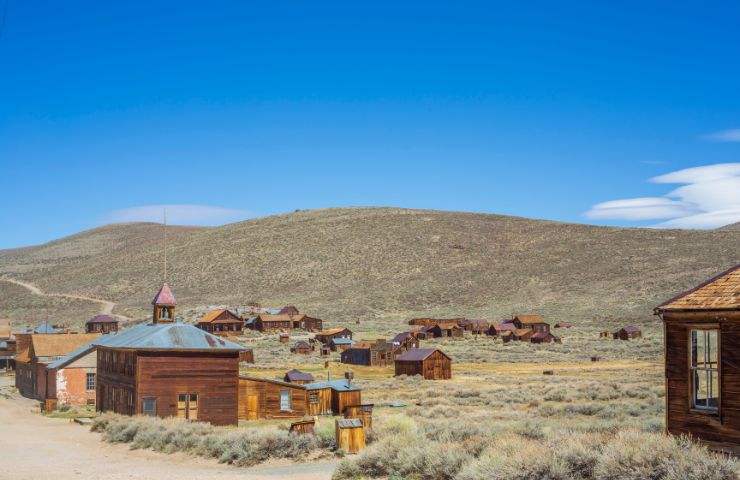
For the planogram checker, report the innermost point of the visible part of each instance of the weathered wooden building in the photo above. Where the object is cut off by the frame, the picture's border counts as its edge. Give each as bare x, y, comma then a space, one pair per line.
627, 333
340, 344
497, 329
350, 435
532, 321
302, 321
262, 398
303, 347
273, 323
373, 354
326, 336
429, 322
444, 329
332, 397
702, 360
221, 321
296, 376
289, 310
522, 334
544, 337
430, 363
404, 341
102, 324
168, 368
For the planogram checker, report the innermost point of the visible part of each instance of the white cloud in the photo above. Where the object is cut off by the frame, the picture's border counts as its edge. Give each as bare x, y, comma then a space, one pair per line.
709, 198
178, 214
732, 135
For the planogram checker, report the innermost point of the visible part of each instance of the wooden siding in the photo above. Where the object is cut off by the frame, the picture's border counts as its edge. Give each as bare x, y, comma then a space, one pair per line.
319, 401
436, 366
723, 427
260, 399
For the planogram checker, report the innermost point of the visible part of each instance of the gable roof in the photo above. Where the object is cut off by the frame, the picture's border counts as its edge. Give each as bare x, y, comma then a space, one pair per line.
402, 337
530, 319
418, 354
43, 345
267, 317
332, 331
102, 318
721, 292
211, 316
298, 376
164, 297
540, 335
504, 327
169, 336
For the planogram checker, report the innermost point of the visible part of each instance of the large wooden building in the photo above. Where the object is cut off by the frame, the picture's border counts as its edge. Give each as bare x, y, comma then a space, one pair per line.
533, 322
221, 322
168, 368
702, 360
102, 324
371, 354
285, 322
430, 363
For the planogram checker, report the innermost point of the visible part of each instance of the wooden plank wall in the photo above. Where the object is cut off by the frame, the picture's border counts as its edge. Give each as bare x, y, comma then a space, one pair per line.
268, 399
319, 401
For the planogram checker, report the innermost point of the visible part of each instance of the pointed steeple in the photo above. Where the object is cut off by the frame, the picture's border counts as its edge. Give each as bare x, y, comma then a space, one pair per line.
164, 305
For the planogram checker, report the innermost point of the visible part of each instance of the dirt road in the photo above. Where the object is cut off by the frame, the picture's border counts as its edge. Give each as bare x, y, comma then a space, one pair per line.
106, 307
38, 448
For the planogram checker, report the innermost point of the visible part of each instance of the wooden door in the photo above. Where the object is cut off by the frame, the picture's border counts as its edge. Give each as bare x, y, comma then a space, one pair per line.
187, 406
193, 407
182, 405
252, 406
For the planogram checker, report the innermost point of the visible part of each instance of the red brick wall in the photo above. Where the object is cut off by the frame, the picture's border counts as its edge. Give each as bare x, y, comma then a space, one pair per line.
72, 387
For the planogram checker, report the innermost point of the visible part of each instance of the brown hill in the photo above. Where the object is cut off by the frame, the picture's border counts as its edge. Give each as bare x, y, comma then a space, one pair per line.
373, 263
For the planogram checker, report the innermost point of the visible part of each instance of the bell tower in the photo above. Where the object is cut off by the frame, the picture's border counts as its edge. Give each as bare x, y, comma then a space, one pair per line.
164, 306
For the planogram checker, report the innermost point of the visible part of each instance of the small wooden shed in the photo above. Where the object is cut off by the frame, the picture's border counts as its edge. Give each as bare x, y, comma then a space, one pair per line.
332, 396
445, 329
263, 398
363, 412
628, 332
404, 341
350, 435
430, 363
303, 347
296, 376
102, 324
544, 337
376, 354
532, 321
283, 337
303, 427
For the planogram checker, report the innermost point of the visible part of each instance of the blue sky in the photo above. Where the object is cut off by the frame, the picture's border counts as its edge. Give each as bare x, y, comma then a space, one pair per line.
226, 110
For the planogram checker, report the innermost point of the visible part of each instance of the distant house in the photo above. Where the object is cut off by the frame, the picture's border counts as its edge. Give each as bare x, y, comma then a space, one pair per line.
702, 361
289, 310
296, 376
498, 329
444, 329
262, 398
340, 344
375, 354
304, 322
325, 336
404, 341
102, 324
475, 326
522, 334
332, 397
543, 337
627, 333
35, 352
221, 321
269, 323
429, 322
430, 363
532, 321
283, 337
7, 354
169, 369
563, 325
303, 347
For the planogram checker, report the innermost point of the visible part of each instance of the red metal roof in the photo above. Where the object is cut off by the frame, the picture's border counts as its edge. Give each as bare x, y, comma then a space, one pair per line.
164, 297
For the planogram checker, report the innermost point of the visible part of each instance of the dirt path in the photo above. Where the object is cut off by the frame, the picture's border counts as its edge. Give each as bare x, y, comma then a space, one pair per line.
106, 307
38, 448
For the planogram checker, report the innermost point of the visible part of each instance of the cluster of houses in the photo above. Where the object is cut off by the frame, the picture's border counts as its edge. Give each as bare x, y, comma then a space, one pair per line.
524, 328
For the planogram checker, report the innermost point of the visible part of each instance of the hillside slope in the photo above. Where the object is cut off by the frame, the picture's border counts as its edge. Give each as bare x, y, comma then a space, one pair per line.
372, 263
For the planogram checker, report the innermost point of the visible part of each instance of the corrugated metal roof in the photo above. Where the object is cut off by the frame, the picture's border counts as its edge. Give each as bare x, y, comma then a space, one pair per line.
341, 385
342, 341
417, 354
169, 336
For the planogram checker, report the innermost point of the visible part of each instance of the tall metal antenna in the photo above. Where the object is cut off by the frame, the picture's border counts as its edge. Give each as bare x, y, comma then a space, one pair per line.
165, 245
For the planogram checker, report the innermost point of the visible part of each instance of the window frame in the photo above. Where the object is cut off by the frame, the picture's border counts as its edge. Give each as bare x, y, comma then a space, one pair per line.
88, 376
708, 411
154, 403
290, 400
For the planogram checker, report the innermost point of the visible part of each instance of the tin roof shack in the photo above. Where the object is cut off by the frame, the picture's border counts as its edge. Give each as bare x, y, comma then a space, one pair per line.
544, 337
332, 397
532, 321
221, 322
272, 323
404, 341
430, 363
35, 351
102, 324
444, 329
628, 332
303, 347
371, 354
702, 360
263, 398
296, 376
325, 336
169, 370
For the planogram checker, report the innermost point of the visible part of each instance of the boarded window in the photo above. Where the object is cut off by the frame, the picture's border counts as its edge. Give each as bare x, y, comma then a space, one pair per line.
90, 381
149, 406
313, 396
705, 369
285, 401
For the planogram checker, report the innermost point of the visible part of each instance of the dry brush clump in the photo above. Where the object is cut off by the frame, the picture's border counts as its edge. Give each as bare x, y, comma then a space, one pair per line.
419, 450
241, 447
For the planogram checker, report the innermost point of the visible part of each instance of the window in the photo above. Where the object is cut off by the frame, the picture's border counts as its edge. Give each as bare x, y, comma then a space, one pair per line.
313, 396
90, 381
149, 406
187, 406
705, 370
285, 401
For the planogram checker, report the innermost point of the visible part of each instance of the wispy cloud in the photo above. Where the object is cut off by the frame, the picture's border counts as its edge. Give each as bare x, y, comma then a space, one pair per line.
732, 135
708, 198
204, 215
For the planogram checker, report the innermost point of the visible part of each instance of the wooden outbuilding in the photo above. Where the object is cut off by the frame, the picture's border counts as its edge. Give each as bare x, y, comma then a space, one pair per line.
404, 341
445, 329
326, 336
430, 322
273, 323
283, 337
340, 344
304, 322
350, 435
262, 398
531, 321
522, 334
332, 397
544, 337
169, 369
303, 347
221, 321
363, 412
497, 329
702, 361
627, 333
102, 324
296, 376
430, 363
303, 427
289, 310
375, 354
